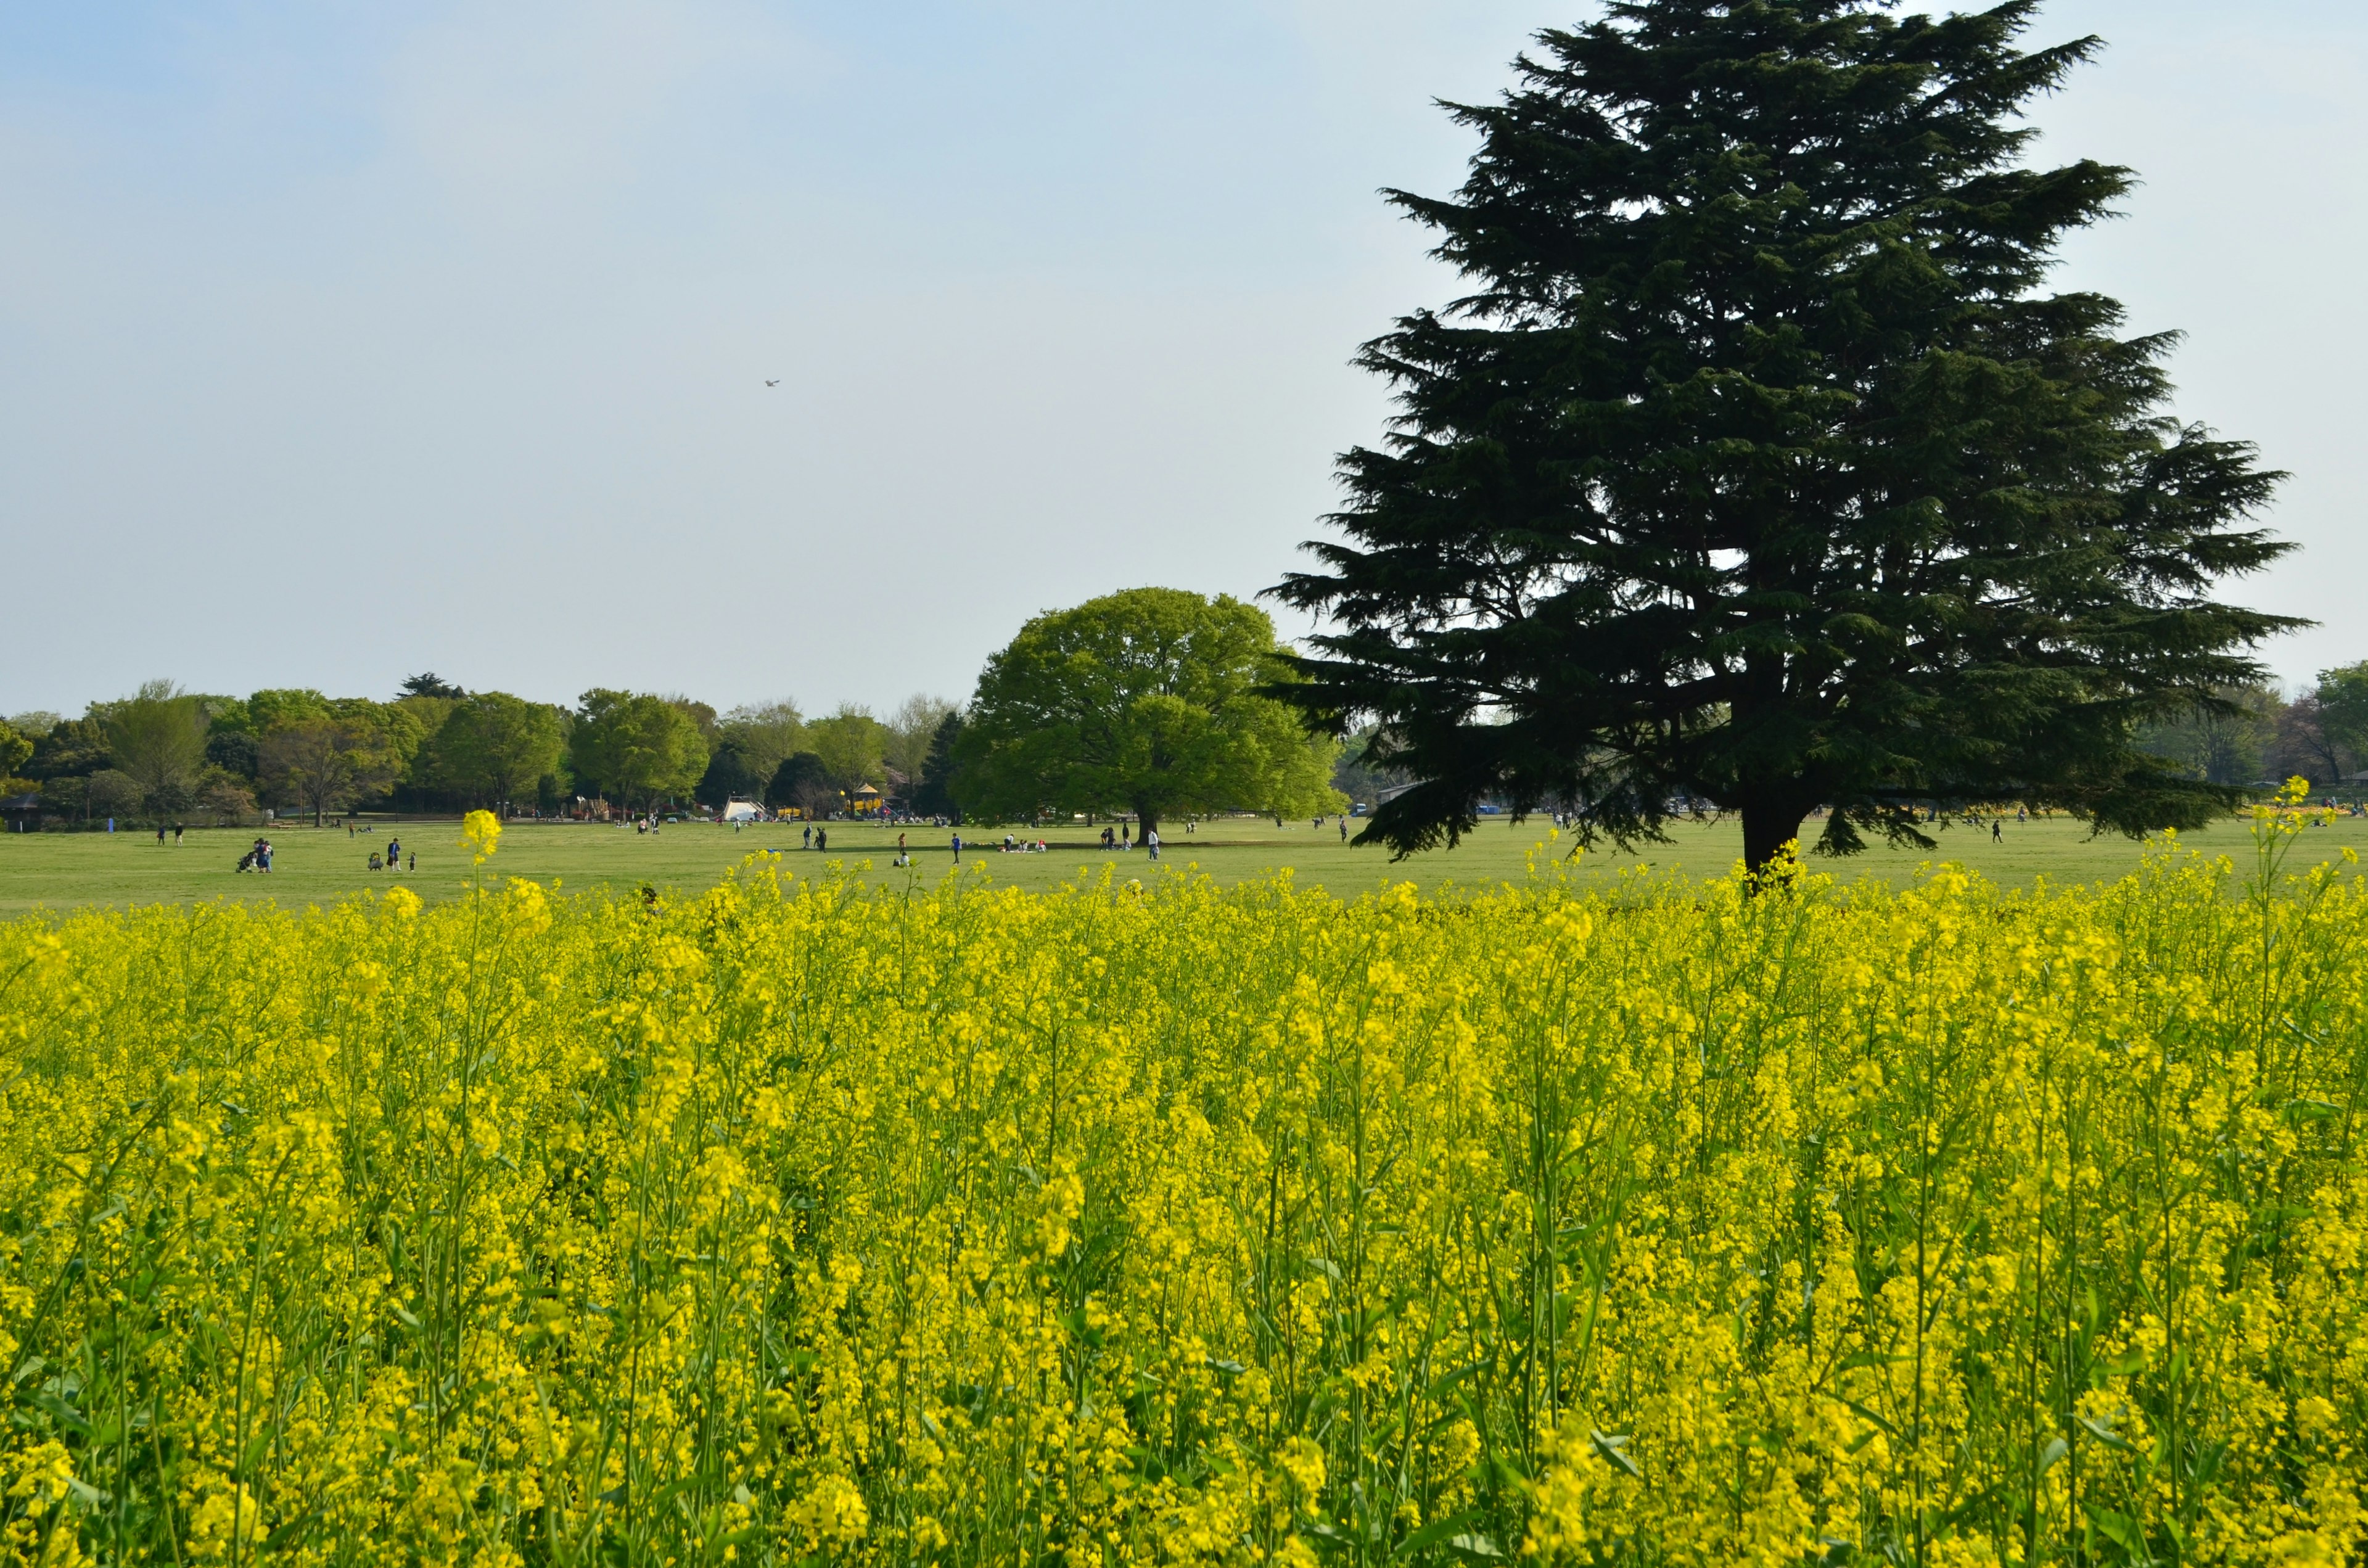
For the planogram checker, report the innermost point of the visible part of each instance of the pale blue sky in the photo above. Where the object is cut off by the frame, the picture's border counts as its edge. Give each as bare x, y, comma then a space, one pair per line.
339, 341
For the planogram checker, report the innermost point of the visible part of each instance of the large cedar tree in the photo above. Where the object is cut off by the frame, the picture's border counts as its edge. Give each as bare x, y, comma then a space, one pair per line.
1761, 469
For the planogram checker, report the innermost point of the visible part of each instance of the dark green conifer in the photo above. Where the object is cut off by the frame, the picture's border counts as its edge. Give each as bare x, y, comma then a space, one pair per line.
1760, 467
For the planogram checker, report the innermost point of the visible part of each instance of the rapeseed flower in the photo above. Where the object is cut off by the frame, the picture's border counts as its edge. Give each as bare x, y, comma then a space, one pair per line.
1150, 1222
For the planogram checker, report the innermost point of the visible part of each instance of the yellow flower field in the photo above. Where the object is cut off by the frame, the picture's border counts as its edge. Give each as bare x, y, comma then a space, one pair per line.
1165, 1223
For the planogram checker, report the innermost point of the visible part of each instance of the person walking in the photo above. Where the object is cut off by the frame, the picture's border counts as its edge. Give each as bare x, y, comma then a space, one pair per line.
160, 835
822, 839
805, 836
1344, 830
957, 848
1997, 830
393, 853
1151, 841
412, 864
177, 834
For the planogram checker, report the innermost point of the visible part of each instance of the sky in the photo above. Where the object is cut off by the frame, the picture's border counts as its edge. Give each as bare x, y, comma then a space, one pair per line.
342, 341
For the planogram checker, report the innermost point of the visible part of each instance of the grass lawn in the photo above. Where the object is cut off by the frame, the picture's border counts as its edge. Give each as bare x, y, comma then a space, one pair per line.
61, 870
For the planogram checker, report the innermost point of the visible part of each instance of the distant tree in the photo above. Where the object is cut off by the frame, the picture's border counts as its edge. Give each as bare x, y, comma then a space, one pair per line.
802, 782
235, 752
2226, 741
431, 685
2303, 745
493, 747
15, 750
1153, 701
325, 764
934, 795
276, 708
852, 745
2342, 700
34, 722
701, 714
66, 795
635, 747
402, 726
158, 737
1353, 779
911, 731
550, 794
1756, 465
225, 797
728, 778
73, 748
763, 733
109, 792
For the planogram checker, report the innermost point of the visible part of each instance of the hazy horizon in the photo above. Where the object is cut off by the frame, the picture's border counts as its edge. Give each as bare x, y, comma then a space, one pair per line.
348, 344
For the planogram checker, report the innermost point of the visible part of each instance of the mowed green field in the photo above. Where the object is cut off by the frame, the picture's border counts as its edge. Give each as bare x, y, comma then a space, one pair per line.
317, 866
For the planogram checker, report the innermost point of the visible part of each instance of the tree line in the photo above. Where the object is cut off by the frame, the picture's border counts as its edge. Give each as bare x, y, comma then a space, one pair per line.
433, 746
1146, 703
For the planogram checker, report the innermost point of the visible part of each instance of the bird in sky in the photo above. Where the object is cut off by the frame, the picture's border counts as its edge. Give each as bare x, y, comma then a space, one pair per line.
772, 383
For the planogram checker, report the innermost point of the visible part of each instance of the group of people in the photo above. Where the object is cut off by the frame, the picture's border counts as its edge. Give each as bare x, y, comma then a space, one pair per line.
392, 859
257, 858
1117, 838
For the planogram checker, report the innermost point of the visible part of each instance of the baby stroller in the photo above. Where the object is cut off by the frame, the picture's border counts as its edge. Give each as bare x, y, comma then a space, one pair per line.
246, 861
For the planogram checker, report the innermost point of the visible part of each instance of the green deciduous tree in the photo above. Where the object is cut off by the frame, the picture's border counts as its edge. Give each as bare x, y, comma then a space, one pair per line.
636, 748
1758, 465
763, 733
2227, 741
327, 764
1151, 701
157, 736
852, 745
492, 747
2341, 697
912, 731
71, 748
109, 792
15, 750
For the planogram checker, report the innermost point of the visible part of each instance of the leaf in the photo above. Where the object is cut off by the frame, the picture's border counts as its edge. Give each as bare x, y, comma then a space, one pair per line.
2119, 1528
2103, 1432
1614, 1447
1434, 1533
2052, 1454
1476, 1548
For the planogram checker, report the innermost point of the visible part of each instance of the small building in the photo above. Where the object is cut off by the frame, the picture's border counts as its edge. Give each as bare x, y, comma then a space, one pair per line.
20, 813
742, 811
866, 801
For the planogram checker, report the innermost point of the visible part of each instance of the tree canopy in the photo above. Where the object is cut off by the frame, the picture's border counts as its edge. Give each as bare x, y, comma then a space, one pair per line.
15, 750
802, 782
1154, 701
2342, 697
1757, 467
761, 734
492, 747
852, 745
327, 764
157, 737
636, 747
